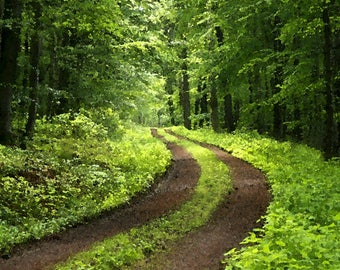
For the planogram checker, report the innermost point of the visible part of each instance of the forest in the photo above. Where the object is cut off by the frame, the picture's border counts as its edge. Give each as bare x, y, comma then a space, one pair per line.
82, 82
270, 66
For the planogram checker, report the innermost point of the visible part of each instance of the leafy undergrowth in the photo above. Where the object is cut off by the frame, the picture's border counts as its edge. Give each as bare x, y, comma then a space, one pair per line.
126, 249
70, 172
303, 221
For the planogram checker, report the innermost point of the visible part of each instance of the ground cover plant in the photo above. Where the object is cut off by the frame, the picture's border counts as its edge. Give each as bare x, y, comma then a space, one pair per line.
302, 223
125, 249
72, 170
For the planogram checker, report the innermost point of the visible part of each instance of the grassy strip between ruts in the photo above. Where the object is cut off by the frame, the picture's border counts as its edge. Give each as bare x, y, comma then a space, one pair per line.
303, 221
125, 249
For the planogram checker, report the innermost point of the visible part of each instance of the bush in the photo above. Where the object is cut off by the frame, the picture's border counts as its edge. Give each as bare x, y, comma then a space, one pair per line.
72, 170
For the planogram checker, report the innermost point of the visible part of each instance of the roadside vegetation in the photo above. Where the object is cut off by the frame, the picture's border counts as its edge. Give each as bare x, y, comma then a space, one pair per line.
124, 250
73, 170
302, 223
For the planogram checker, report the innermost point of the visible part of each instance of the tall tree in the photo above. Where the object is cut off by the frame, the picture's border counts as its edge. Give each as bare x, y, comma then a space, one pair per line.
184, 88
331, 136
2, 6
35, 53
277, 80
10, 47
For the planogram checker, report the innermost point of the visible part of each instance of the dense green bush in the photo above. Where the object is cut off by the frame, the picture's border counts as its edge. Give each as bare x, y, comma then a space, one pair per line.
302, 224
72, 170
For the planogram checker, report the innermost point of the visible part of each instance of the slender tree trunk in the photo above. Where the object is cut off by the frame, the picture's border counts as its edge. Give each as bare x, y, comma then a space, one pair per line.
278, 121
197, 110
204, 110
63, 83
331, 128
169, 90
10, 47
34, 72
201, 104
237, 112
204, 107
53, 74
50, 111
297, 130
2, 9
278, 129
185, 95
336, 85
228, 113
215, 123
257, 96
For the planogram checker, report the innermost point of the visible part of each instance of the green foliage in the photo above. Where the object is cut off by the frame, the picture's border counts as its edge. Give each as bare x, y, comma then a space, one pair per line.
268, 57
69, 136
302, 221
71, 171
92, 54
124, 250
108, 118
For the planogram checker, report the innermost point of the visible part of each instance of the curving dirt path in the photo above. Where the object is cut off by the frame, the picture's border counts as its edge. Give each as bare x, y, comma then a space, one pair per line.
202, 249
234, 218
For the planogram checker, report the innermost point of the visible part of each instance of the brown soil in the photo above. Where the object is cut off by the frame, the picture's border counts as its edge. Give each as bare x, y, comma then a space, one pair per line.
202, 249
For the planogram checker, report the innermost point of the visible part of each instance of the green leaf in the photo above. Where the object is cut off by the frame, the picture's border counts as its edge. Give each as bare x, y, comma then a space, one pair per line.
337, 217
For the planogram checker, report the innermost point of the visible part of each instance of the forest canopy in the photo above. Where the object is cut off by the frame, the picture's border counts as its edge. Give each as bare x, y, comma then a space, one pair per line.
268, 65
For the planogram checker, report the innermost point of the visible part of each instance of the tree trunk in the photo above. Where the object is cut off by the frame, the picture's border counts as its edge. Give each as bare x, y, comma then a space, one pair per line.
204, 110
278, 129
10, 47
185, 95
214, 108
204, 107
331, 129
215, 123
169, 90
336, 85
196, 112
34, 72
61, 80
201, 104
256, 96
237, 112
2, 9
53, 75
228, 113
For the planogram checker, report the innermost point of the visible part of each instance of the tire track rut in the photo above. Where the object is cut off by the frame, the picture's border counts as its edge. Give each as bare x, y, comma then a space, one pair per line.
233, 219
